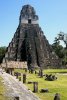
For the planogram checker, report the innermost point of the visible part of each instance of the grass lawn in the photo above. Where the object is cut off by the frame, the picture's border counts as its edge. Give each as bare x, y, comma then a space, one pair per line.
57, 86
2, 90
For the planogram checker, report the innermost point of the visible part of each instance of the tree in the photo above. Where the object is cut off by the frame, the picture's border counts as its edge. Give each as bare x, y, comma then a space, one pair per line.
60, 51
58, 48
65, 56
2, 53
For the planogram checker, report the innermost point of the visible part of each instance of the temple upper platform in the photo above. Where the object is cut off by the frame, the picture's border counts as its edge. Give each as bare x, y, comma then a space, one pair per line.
28, 15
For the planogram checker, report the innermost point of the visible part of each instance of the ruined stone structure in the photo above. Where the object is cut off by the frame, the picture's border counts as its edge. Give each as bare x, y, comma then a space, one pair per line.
29, 42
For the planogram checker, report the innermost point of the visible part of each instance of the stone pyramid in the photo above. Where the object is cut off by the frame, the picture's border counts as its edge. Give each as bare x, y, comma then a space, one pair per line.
29, 42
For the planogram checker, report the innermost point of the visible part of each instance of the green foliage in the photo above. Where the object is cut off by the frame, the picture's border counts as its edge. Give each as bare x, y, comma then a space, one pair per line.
65, 57
60, 51
58, 48
2, 53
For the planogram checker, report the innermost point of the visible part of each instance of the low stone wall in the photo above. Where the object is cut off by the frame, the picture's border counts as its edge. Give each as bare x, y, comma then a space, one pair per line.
14, 64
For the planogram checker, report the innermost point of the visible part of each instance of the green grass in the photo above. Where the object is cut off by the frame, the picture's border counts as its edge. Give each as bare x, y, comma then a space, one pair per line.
55, 71
57, 86
2, 90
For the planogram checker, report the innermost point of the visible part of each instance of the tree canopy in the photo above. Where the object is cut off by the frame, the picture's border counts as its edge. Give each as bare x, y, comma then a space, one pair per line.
60, 51
2, 53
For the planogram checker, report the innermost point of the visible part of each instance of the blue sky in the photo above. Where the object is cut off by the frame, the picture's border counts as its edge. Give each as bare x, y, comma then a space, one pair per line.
52, 17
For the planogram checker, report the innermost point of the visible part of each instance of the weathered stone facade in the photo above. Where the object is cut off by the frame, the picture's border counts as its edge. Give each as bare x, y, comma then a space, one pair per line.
29, 42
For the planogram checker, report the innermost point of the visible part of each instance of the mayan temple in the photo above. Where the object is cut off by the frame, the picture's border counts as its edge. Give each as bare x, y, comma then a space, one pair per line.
29, 42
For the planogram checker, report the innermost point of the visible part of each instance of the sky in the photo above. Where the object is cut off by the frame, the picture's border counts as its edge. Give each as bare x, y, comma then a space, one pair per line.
52, 17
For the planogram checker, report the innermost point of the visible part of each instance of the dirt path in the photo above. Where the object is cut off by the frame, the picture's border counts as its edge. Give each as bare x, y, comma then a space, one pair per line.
16, 88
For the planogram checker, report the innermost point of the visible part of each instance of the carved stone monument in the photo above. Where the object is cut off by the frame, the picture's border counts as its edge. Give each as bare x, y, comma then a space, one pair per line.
29, 42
